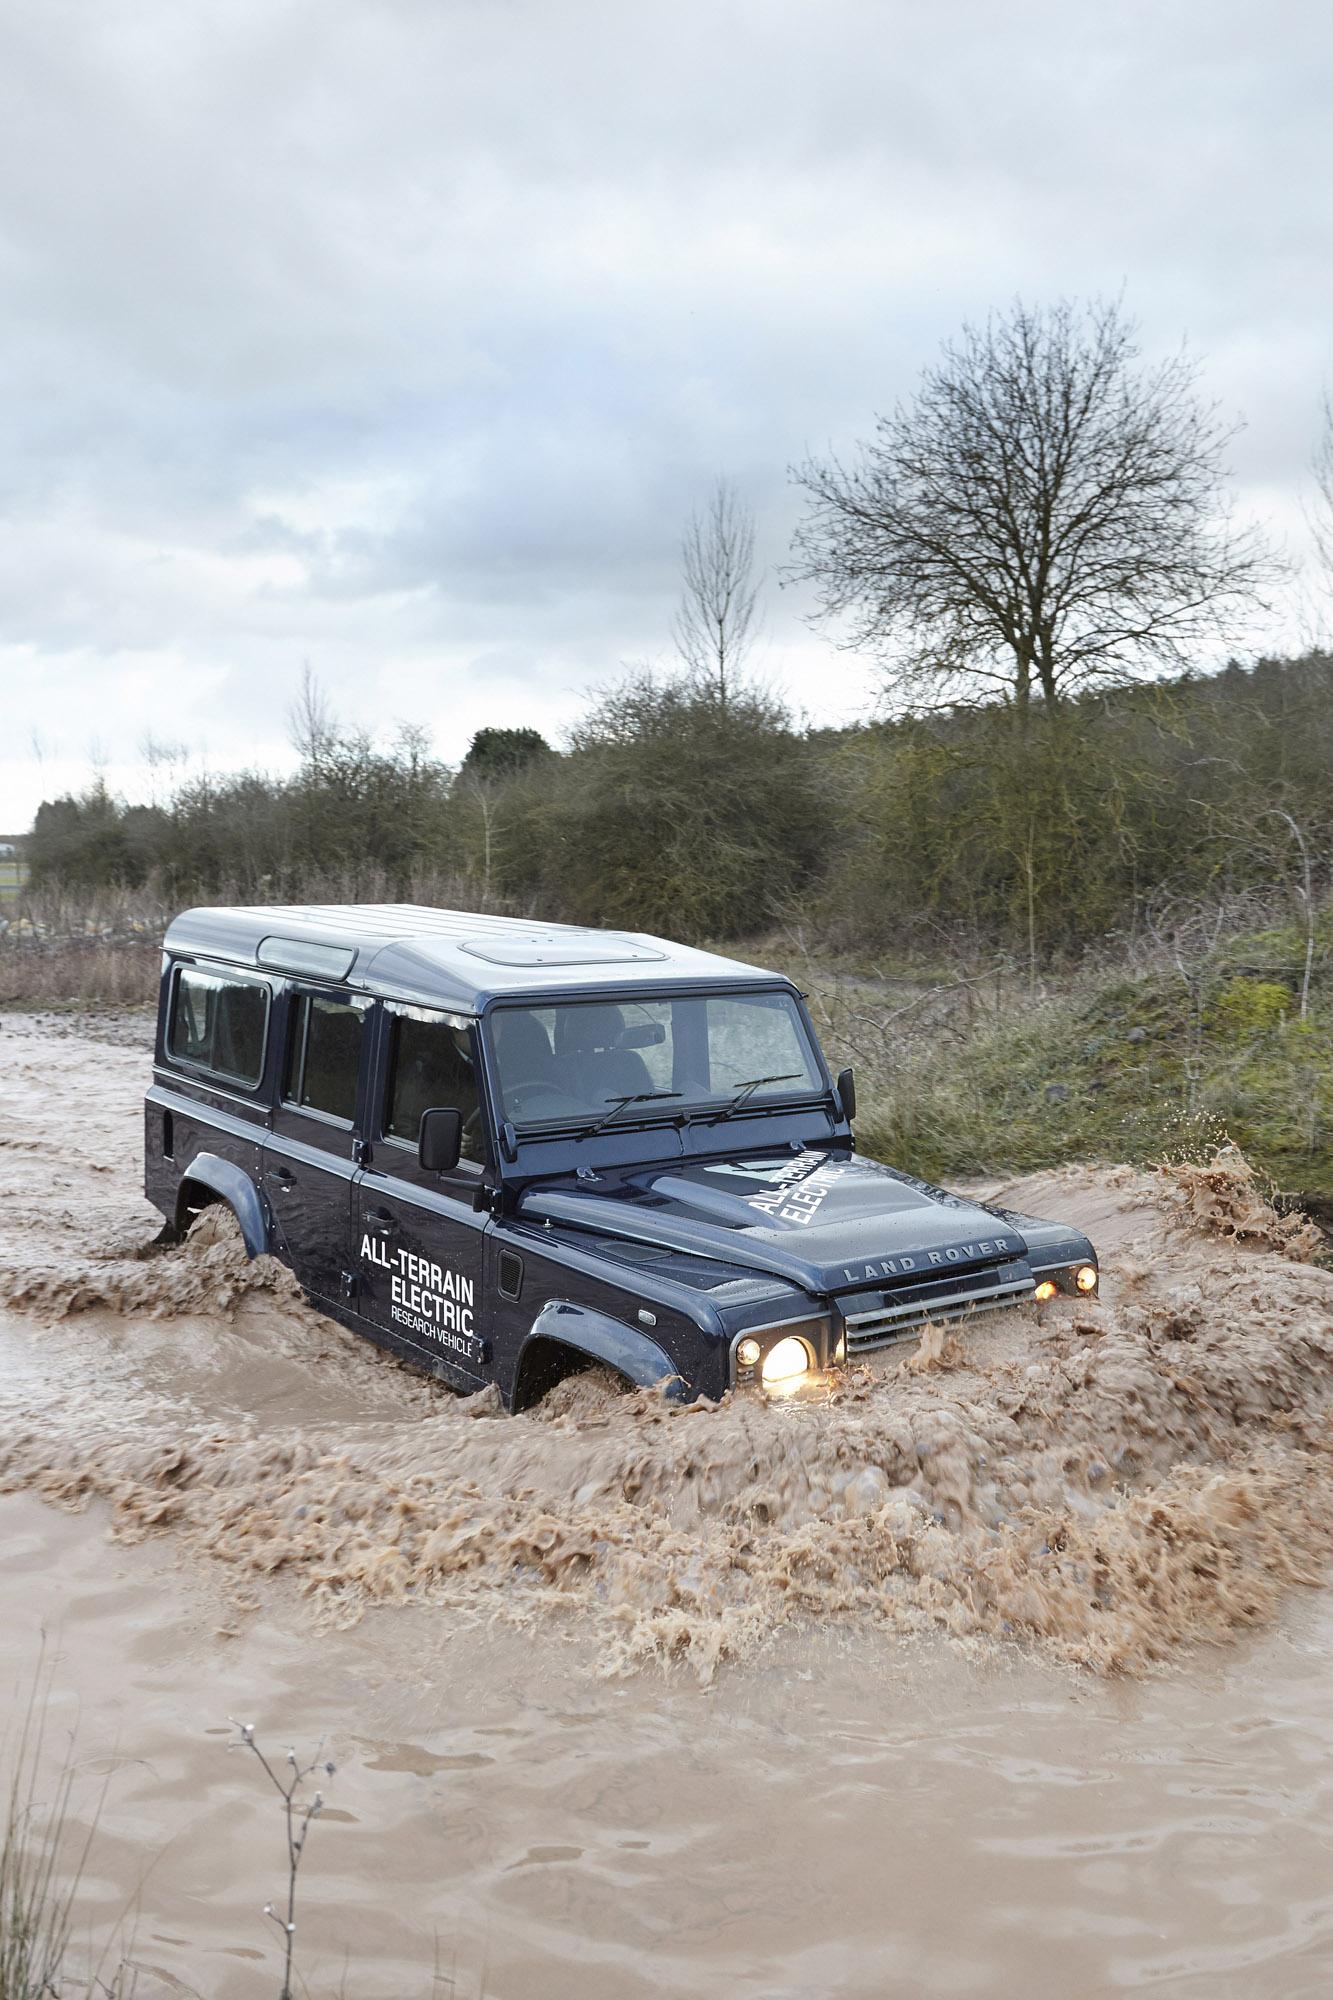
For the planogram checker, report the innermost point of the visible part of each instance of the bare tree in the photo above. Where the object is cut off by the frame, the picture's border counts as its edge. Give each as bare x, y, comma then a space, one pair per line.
714, 627
1321, 516
1304, 898
166, 759
1252, 835
312, 727
1044, 517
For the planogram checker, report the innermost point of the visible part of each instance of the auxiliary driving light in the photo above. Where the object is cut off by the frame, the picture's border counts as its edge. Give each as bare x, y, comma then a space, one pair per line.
1047, 1289
786, 1361
748, 1353
1086, 1278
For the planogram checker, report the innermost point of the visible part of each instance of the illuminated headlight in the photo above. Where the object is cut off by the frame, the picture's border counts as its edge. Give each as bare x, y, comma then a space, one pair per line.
1086, 1278
748, 1353
1047, 1289
786, 1361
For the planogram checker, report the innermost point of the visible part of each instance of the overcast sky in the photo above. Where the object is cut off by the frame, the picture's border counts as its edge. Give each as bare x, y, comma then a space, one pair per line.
400, 336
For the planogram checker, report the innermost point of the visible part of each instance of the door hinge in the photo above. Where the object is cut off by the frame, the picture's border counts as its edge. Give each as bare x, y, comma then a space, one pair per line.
351, 1285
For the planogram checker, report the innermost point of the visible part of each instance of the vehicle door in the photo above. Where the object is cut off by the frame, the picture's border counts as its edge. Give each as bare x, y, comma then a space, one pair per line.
310, 1157
419, 1238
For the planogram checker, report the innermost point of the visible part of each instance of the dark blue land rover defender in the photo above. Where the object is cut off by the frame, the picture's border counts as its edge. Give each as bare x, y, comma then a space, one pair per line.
505, 1150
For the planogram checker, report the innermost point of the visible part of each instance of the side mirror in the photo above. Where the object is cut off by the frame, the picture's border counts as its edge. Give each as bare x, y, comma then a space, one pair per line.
847, 1094
440, 1141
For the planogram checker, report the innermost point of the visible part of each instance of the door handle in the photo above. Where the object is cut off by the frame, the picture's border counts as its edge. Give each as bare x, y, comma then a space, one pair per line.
382, 1222
280, 1177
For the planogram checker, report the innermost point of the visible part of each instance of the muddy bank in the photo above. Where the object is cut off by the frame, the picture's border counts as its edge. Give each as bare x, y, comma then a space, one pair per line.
1106, 1481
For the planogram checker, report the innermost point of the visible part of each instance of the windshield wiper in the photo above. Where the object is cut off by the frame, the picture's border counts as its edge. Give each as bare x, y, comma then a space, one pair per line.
618, 1104
743, 1093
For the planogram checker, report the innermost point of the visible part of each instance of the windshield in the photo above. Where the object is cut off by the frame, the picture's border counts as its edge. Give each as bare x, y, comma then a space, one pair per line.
601, 1060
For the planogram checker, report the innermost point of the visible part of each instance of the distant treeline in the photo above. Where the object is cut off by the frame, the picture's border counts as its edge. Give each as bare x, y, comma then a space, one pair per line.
676, 812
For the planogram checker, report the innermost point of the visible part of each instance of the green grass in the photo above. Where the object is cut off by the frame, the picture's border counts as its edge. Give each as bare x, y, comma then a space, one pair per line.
1134, 1069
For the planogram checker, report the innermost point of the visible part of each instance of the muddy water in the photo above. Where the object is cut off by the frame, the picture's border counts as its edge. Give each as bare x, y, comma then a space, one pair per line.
766, 1700
845, 1817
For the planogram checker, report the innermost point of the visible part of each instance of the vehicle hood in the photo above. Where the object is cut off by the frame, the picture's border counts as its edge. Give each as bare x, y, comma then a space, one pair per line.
829, 1222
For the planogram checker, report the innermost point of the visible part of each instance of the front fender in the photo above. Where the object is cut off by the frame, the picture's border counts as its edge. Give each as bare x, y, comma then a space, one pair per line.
602, 1338
235, 1187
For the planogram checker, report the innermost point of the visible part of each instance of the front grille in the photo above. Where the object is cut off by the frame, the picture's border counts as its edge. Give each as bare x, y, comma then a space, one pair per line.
880, 1325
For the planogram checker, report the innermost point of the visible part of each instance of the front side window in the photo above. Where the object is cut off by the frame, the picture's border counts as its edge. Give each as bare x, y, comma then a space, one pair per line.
430, 1068
701, 1052
219, 1024
324, 1056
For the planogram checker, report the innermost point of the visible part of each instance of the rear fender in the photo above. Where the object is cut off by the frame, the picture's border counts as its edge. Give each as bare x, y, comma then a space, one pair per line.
230, 1183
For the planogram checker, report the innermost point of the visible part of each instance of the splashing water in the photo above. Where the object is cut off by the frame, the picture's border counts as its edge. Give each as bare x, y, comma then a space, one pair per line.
1104, 1480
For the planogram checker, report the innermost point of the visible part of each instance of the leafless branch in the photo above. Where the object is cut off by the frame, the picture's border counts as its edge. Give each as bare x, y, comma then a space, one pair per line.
312, 727
297, 1814
714, 627
1045, 517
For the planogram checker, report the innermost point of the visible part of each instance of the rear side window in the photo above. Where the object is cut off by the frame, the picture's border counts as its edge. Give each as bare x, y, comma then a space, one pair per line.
324, 1056
219, 1024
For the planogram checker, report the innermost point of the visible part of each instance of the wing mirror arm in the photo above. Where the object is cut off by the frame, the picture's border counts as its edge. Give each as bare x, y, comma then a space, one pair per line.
847, 1094
440, 1141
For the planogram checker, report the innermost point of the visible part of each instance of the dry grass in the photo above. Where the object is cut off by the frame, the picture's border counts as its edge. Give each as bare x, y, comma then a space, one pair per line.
103, 975
103, 948
65, 948
42, 1863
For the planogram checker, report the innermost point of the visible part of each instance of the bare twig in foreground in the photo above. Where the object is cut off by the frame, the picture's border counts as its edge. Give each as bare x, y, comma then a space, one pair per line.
298, 1815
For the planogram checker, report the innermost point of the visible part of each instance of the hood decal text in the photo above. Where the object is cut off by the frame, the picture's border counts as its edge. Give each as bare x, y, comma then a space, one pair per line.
796, 1192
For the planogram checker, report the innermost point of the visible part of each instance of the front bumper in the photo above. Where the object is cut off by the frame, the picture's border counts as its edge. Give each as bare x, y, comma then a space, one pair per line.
861, 1322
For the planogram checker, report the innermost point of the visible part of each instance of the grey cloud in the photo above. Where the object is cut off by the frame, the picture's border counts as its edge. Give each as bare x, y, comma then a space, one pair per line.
402, 334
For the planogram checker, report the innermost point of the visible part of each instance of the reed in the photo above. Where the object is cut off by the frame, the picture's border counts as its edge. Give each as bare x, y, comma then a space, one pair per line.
43, 1857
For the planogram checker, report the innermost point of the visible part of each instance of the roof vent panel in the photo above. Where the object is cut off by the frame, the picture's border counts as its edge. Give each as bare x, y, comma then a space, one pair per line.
593, 948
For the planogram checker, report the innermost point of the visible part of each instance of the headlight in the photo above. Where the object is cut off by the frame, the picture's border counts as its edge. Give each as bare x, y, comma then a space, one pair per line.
786, 1361
1047, 1289
1086, 1278
748, 1353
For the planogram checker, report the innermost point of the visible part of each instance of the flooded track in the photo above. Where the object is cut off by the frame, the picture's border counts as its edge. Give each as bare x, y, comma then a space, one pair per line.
765, 1700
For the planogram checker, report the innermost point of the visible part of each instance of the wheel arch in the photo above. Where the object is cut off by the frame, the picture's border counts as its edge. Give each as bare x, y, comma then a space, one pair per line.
579, 1331
216, 1179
